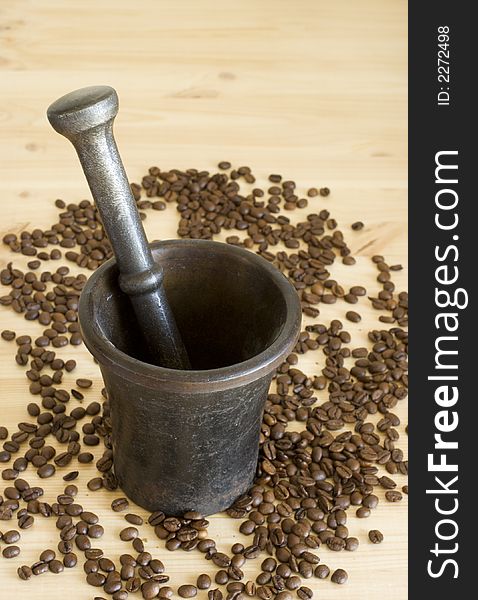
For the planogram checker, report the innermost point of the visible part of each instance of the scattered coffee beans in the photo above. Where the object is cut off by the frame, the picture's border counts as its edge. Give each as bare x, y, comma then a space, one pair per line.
306, 480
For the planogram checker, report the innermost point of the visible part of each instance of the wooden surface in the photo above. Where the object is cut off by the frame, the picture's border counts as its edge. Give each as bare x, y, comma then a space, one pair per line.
312, 89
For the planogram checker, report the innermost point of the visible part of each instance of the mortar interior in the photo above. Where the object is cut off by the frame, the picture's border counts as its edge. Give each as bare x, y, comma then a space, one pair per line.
227, 310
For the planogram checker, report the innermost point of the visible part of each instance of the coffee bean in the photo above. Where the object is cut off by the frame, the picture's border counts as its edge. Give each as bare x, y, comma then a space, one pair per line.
82, 542
293, 583
85, 457
47, 555
84, 383
9, 474
8, 335
11, 537
70, 560
305, 593
11, 551
375, 536
220, 559
95, 484
187, 591
264, 593
203, 582
393, 496
215, 594
322, 571
128, 534
46, 470
339, 576
133, 519
138, 545
24, 572
284, 596
95, 531
221, 577
120, 504
353, 316
370, 501
56, 566
95, 579
156, 518
150, 589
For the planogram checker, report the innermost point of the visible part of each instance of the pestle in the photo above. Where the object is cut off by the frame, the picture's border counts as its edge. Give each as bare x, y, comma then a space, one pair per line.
86, 117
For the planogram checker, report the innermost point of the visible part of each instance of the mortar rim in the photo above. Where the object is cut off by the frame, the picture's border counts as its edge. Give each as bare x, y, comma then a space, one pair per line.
220, 378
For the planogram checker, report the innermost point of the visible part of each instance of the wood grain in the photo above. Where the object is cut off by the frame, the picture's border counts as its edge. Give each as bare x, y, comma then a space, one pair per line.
311, 89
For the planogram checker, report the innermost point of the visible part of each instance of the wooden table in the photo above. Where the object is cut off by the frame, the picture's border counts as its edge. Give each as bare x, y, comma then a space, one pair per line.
311, 89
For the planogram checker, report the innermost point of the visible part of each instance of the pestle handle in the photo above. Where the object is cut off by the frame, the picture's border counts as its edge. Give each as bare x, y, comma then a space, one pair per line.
85, 117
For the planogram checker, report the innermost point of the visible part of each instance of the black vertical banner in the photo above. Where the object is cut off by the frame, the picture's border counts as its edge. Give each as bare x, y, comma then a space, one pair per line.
443, 163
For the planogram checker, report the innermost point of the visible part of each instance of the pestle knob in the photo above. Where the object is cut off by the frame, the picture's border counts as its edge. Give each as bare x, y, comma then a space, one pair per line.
86, 118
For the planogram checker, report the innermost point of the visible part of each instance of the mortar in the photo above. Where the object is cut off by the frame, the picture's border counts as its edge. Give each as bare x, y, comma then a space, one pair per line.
189, 439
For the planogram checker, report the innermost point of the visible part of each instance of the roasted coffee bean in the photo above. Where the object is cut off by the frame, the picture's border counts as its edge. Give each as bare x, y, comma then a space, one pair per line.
215, 594
95, 579
203, 582
284, 595
375, 536
144, 558
11, 551
85, 457
55, 566
187, 591
264, 593
220, 559
150, 589
71, 476
351, 544
393, 496
120, 504
95, 531
82, 542
305, 593
221, 577
24, 572
95, 484
84, 383
339, 576
106, 564
133, 519
91, 566
322, 571
11, 537
66, 546
128, 534
46, 470
47, 555
263, 578
39, 568
156, 518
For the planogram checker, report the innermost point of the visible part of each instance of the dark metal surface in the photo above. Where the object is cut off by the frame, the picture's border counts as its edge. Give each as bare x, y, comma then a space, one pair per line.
187, 440
86, 118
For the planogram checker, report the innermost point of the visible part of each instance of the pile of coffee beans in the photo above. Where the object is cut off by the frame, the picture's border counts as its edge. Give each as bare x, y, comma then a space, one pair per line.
309, 477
